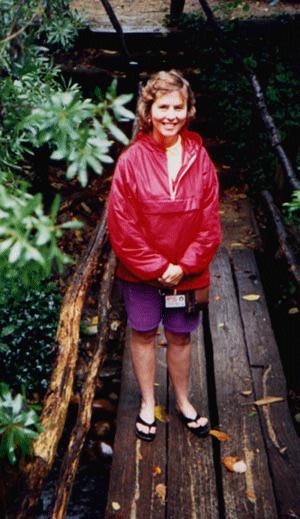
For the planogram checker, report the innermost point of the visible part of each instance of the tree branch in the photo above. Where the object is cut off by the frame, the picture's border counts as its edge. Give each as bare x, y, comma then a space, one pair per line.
117, 26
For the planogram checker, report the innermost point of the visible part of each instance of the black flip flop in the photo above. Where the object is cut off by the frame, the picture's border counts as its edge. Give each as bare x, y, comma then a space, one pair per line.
201, 431
147, 437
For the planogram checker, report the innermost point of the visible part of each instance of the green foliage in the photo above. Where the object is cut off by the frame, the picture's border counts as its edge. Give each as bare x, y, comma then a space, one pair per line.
19, 95
71, 125
233, 100
28, 237
19, 425
228, 8
37, 108
293, 208
28, 326
22, 22
62, 30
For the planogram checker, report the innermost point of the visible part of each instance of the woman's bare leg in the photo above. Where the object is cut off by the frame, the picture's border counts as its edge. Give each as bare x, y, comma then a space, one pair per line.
179, 361
143, 359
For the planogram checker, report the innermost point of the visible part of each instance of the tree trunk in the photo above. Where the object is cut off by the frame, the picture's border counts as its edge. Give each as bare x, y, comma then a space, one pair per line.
81, 428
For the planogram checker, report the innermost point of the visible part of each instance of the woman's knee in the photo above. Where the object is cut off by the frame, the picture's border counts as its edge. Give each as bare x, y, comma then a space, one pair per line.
178, 339
144, 338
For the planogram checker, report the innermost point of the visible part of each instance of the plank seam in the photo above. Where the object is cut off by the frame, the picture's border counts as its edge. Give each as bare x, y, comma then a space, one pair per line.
213, 410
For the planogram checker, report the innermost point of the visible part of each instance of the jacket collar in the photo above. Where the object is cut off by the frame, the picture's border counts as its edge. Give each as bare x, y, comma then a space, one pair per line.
191, 142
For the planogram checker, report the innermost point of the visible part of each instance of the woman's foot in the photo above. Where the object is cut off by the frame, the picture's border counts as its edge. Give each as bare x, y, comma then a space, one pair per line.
192, 420
150, 427
145, 422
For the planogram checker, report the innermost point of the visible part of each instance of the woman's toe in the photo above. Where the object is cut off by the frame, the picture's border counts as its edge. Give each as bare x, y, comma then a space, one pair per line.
202, 421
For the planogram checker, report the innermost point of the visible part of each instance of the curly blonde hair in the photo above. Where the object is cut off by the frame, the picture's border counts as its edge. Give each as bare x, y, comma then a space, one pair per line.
159, 84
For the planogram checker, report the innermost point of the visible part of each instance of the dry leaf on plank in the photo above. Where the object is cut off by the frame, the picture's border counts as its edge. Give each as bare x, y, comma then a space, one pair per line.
160, 491
269, 400
156, 471
247, 392
221, 436
160, 413
251, 297
251, 496
115, 506
234, 464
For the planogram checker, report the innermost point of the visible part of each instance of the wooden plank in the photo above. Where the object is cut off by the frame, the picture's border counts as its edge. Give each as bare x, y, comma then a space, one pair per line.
191, 476
248, 495
283, 444
132, 484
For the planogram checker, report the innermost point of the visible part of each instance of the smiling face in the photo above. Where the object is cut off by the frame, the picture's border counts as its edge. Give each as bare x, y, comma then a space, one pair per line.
168, 115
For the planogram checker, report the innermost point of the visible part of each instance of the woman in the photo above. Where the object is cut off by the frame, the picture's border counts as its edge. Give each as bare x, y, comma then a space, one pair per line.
164, 227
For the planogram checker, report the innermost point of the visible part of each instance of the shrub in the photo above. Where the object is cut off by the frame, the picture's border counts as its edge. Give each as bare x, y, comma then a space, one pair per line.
27, 338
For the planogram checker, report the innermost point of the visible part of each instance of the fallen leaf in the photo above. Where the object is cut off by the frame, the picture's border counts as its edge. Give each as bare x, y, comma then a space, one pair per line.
115, 506
160, 413
247, 392
156, 471
102, 427
106, 449
160, 491
251, 496
216, 298
105, 405
156, 384
234, 464
221, 325
114, 325
89, 329
221, 436
268, 400
236, 244
251, 297
95, 319
294, 310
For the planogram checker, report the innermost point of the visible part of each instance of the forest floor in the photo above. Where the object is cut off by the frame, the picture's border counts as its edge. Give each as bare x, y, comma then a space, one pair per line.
150, 15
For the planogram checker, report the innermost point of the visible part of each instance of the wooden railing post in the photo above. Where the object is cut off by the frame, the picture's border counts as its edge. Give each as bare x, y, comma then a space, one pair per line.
176, 8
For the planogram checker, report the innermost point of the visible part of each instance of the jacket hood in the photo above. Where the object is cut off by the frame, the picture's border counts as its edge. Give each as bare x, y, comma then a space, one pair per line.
192, 141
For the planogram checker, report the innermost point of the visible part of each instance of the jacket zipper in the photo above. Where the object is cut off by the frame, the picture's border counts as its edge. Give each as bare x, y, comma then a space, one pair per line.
173, 191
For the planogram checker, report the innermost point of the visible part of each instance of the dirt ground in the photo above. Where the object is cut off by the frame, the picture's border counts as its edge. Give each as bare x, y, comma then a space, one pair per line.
149, 15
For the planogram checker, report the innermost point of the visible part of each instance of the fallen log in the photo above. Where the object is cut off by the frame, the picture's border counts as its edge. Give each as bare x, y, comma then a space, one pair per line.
271, 130
60, 387
82, 426
282, 237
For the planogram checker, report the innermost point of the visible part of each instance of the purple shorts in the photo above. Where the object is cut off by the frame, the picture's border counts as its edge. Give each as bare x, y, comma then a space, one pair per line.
145, 309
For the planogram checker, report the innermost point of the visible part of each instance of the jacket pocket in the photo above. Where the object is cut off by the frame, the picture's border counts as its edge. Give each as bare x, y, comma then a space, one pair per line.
167, 206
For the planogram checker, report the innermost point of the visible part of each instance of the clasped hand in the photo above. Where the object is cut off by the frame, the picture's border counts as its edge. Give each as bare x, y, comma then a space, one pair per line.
172, 276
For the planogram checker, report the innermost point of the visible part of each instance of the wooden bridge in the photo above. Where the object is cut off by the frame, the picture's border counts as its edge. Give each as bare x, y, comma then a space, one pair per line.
149, 16
235, 363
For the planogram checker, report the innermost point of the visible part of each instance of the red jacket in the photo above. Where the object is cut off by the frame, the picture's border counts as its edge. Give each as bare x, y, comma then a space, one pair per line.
149, 228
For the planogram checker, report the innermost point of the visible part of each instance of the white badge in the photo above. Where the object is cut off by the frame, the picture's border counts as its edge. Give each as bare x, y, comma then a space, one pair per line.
175, 301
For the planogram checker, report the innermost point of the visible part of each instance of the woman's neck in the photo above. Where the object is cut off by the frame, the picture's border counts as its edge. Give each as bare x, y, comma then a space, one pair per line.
165, 141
